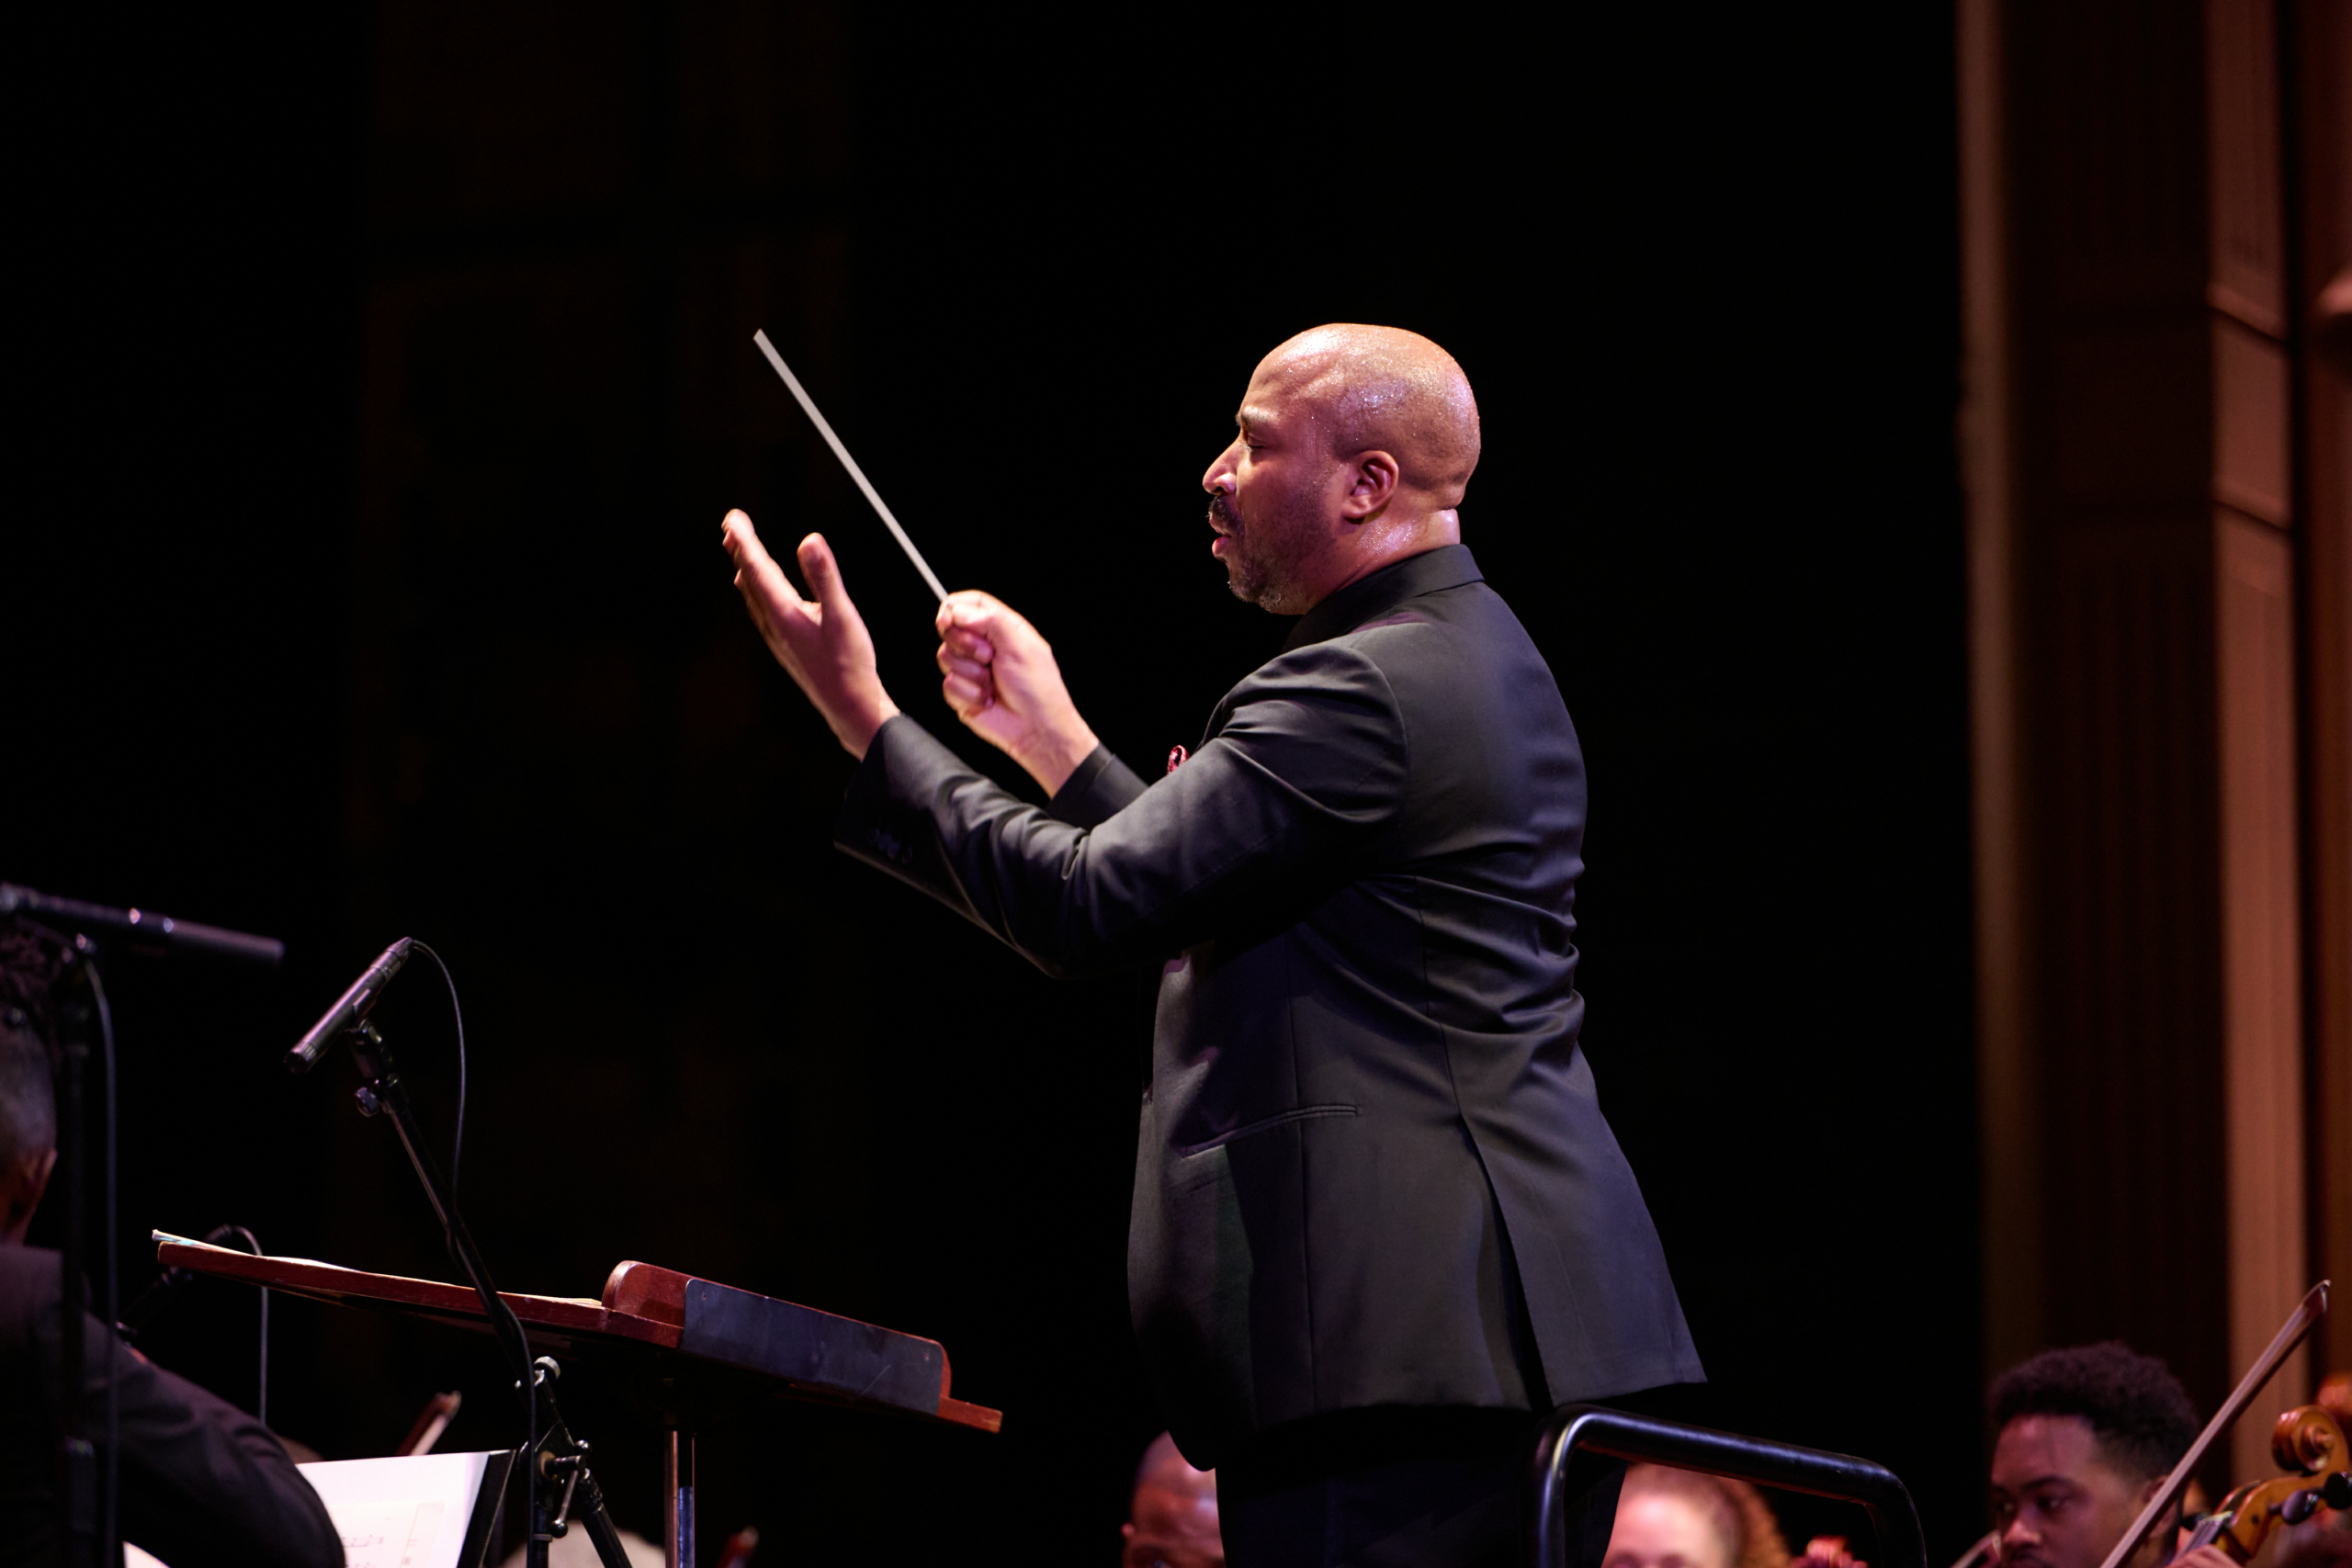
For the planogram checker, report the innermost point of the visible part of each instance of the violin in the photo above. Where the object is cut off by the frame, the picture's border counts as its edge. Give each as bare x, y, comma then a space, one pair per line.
2309, 1444
2167, 1496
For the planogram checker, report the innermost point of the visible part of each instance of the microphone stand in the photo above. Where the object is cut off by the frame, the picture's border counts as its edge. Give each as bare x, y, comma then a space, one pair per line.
552, 1457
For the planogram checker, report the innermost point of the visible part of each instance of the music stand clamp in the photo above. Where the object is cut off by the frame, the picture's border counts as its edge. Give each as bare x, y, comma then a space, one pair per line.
554, 1458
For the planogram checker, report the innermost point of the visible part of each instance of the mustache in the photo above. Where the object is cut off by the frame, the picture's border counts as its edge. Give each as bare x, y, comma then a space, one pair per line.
1221, 510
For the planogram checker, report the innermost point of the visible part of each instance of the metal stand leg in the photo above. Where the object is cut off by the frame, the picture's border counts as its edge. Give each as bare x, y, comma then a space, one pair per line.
678, 1488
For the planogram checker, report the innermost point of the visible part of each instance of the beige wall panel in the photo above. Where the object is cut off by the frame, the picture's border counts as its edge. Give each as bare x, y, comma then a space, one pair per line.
2323, 55
2129, 425
2112, 148
2127, 1081
2262, 1007
2251, 423
2248, 278
2014, 1282
2162, 605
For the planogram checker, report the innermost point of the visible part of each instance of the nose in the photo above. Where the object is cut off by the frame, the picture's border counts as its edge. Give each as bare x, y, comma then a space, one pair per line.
2017, 1533
1220, 473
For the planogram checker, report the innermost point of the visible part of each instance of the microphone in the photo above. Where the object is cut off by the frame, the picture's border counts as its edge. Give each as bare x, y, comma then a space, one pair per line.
145, 928
350, 1007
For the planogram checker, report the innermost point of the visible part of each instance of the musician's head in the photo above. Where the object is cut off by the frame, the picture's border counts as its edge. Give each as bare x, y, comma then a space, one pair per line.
1171, 1516
2086, 1437
1679, 1519
28, 1104
1352, 448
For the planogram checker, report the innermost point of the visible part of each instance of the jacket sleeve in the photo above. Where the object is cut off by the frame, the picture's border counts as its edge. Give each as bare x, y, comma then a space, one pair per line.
1096, 792
203, 1484
1304, 769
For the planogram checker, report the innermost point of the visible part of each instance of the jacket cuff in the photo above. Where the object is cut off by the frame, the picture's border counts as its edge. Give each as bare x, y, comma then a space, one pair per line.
1101, 788
884, 820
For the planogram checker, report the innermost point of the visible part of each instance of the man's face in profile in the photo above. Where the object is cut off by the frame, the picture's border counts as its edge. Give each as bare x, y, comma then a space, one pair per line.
1267, 501
2056, 1501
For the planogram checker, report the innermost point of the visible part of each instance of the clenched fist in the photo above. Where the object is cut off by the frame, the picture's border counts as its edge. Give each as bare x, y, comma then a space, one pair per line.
1001, 678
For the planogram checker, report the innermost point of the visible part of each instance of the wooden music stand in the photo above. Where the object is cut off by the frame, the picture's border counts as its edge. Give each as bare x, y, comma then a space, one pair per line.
688, 1343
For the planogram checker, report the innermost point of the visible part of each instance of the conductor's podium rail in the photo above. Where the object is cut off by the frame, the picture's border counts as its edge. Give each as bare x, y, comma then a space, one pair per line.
1592, 1429
781, 1347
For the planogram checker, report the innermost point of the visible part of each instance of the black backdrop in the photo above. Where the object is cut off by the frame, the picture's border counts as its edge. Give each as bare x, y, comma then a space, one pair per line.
492, 689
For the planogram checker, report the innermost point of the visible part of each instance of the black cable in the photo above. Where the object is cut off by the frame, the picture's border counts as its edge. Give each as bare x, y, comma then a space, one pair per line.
216, 1236
457, 1017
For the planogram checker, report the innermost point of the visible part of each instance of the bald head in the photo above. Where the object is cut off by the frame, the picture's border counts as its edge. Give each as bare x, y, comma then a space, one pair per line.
1352, 448
1386, 389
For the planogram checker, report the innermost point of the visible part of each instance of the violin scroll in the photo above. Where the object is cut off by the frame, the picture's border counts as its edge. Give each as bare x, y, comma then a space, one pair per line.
2309, 1440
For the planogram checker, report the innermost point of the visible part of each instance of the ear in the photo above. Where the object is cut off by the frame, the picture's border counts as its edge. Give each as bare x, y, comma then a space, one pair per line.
2160, 1534
1373, 480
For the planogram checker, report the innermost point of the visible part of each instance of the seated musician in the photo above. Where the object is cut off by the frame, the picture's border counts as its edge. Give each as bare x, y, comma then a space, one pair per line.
1679, 1519
2086, 1437
203, 1483
1171, 1516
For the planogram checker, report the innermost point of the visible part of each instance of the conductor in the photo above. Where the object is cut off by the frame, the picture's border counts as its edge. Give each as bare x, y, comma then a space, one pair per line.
1378, 1217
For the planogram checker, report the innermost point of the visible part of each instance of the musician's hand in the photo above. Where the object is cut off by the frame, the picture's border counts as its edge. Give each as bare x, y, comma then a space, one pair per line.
2204, 1557
1001, 678
821, 644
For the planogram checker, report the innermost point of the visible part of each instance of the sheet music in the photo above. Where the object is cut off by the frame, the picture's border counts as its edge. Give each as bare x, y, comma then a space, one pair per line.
375, 1534
401, 1513
388, 1535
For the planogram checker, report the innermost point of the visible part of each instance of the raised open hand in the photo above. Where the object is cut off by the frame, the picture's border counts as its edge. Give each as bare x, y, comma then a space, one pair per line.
1001, 678
823, 644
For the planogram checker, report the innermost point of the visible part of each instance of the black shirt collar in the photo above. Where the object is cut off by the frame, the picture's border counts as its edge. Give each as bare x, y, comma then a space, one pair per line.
1448, 566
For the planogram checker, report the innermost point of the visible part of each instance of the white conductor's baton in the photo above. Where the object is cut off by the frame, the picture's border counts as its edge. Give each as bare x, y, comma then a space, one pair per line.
808, 406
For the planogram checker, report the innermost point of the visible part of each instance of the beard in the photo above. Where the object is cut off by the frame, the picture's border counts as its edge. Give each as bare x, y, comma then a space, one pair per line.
1260, 556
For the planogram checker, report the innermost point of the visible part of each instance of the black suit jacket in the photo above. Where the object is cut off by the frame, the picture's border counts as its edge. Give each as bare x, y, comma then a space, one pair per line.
1373, 1167
204, 1484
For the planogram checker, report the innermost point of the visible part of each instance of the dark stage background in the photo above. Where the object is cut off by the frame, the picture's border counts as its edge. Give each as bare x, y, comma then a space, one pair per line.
387, 375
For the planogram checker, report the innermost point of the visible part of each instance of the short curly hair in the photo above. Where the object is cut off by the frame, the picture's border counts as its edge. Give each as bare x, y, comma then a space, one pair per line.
2136, 1409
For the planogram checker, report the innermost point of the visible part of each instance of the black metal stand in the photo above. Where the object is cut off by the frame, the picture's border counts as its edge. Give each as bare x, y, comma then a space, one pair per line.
1625, 1436
554, 1460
